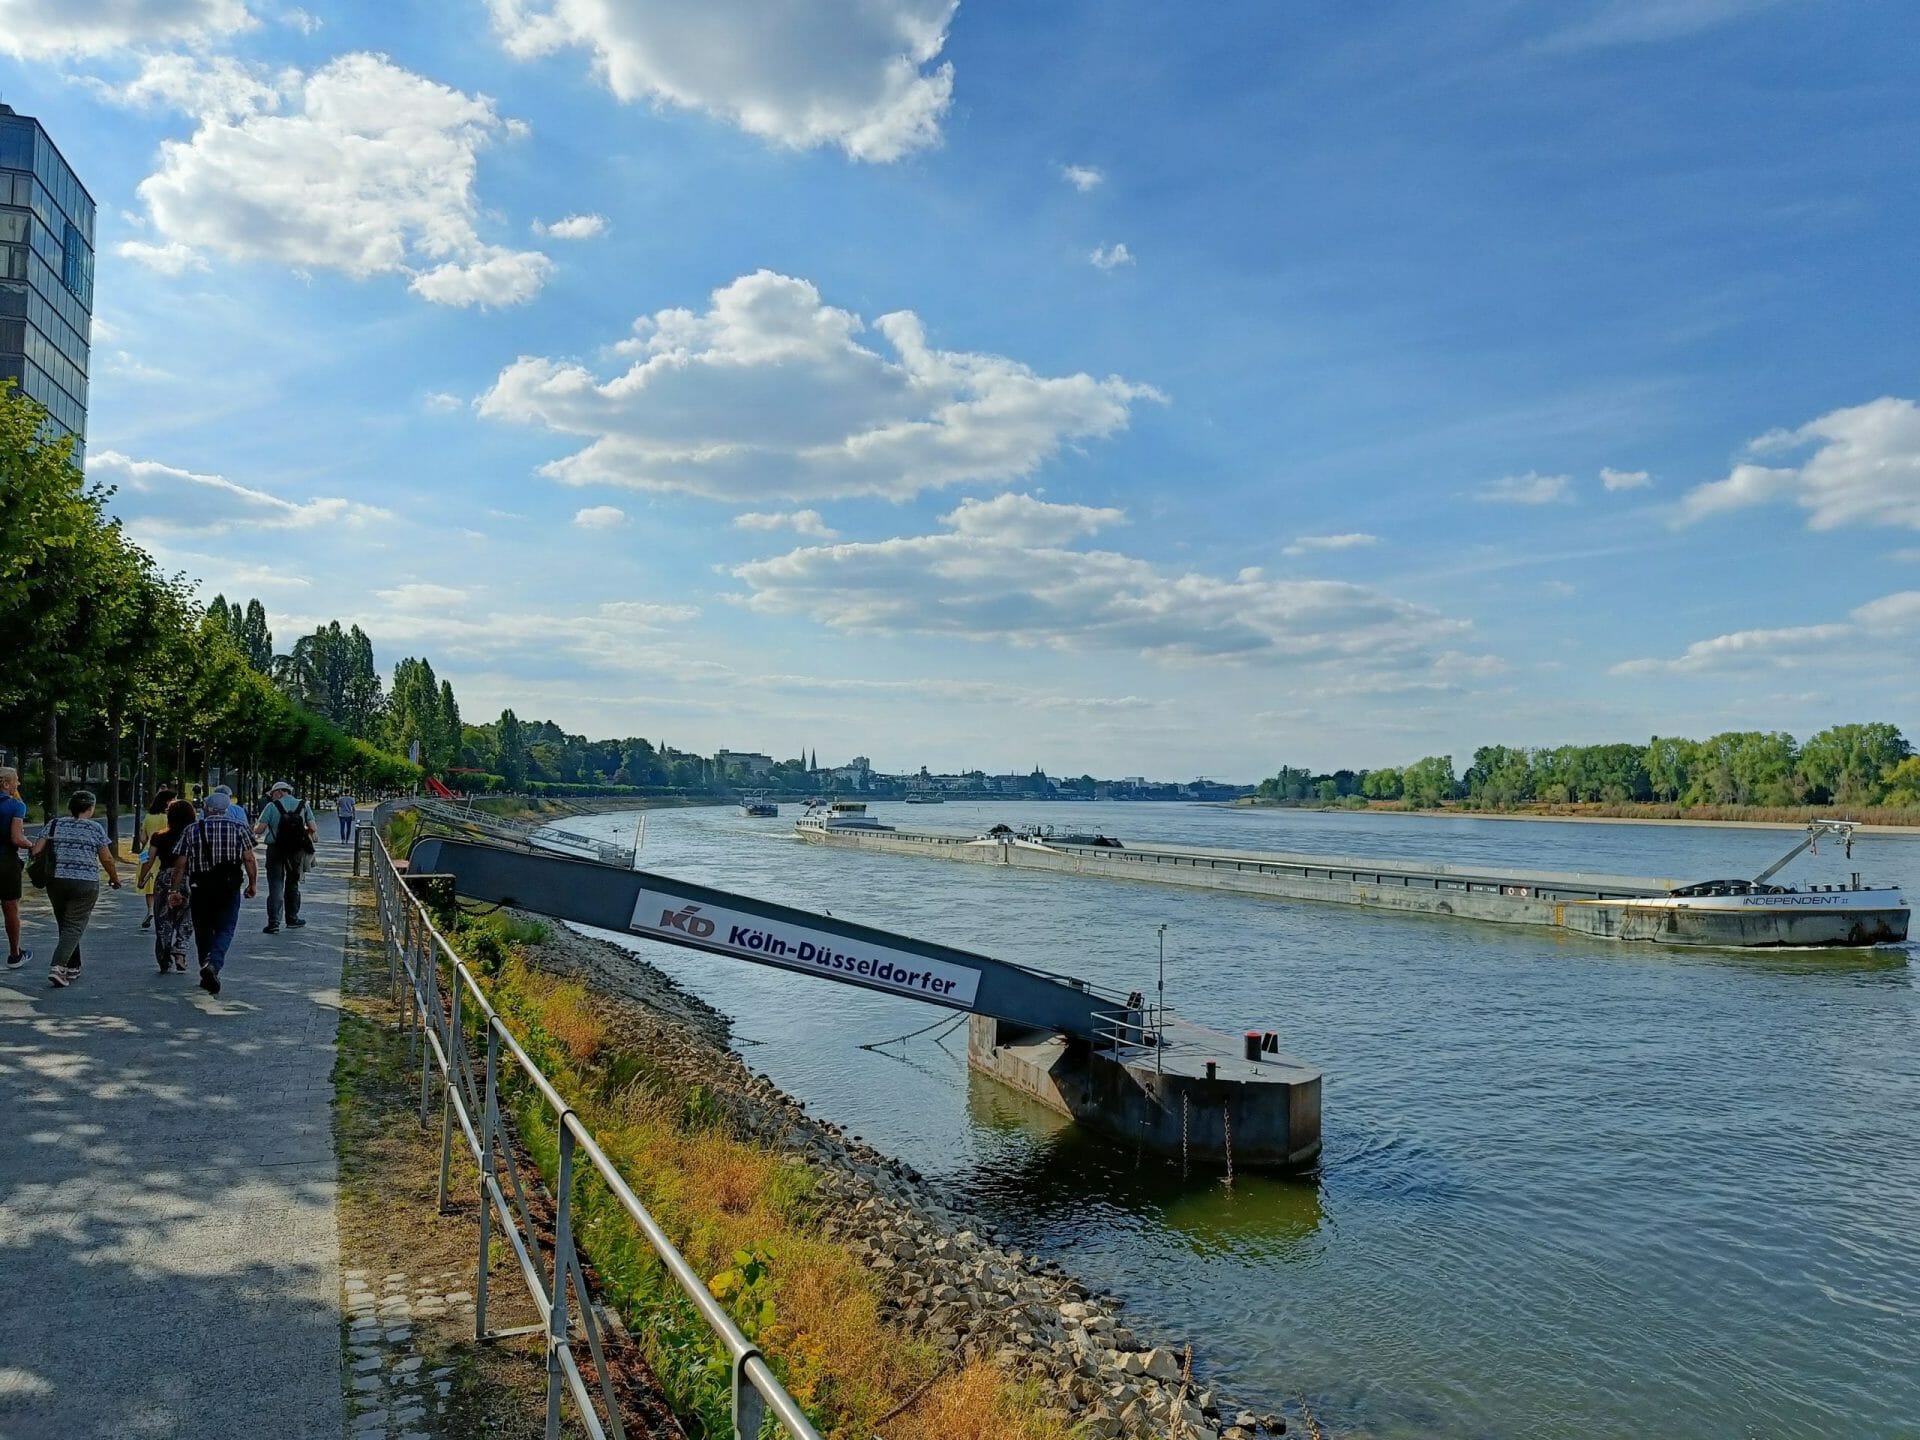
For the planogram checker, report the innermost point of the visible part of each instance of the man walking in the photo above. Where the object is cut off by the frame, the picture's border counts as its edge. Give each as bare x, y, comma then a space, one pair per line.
345, 807
13, 839
289, 829
215, 852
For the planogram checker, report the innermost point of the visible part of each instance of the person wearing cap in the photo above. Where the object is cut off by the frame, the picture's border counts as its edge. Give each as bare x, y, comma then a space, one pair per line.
289, 829
209, 861
13, 839
235, 809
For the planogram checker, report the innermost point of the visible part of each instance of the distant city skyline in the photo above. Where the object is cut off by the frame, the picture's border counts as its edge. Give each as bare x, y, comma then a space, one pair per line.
1099, 384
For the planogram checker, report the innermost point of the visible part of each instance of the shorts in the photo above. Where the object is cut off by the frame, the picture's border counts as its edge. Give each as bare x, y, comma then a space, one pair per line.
10, 872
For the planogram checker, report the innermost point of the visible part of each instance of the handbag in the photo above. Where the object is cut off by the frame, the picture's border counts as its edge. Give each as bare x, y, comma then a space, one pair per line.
40, 867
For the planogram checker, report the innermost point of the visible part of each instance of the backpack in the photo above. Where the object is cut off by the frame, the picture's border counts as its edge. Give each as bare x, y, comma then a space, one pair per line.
290, 835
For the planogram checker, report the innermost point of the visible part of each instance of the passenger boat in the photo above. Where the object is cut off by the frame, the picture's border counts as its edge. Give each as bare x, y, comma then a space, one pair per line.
925, 797
840, 817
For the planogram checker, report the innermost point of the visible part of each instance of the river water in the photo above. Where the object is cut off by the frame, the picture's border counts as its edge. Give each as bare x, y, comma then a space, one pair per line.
1568, 1187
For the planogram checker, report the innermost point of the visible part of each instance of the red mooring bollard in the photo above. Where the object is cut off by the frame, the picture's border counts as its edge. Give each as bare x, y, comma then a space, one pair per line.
1253, 1046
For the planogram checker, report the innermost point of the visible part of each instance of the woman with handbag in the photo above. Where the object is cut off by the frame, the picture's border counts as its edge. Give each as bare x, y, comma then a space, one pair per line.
172, 924
70, 857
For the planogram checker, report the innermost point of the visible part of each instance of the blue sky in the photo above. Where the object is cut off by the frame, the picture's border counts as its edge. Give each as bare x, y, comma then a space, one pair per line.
1082, 385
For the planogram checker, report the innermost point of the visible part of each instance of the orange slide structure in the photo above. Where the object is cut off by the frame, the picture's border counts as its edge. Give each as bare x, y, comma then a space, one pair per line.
435, 788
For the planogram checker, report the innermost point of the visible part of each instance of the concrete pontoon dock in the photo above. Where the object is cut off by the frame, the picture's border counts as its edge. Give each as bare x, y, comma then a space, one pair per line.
1619, 907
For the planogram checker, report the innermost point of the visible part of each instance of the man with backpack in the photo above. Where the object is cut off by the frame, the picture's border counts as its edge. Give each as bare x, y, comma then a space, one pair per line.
288, 825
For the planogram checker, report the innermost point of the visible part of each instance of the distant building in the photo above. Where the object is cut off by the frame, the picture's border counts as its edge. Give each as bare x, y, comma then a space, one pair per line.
46, 274
751, 761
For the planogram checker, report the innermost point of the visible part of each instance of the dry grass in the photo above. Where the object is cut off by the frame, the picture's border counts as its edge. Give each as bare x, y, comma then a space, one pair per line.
739, 1213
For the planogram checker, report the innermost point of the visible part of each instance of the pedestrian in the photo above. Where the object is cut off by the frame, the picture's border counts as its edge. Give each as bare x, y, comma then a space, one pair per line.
211, 860
80, 852
13, 839
345, 806
234, 807
143, 882
289, 830
173, 924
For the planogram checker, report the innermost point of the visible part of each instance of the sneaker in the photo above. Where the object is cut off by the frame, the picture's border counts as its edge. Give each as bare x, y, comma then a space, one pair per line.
60, 977
166, 965
14, 962
180, 964
147, 924
270, 930
209, 980
295, 924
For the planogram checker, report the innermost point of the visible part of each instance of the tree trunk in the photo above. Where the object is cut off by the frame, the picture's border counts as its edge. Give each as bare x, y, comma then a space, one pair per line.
50, 762
115, 723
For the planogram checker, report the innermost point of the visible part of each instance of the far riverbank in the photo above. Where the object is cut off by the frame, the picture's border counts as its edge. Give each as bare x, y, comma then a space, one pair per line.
1587, 817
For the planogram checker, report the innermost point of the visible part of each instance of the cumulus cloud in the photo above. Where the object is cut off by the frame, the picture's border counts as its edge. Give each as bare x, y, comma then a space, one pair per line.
1023, 520
801, 522
359, 167
1083, 178
1350, 540
440, 402
1625, 479
858, 74
460, 631
158, 497
1110, 257
1893, 617
769, 393
1527, 489
39, 29
572, 227
1864, 470
600, 517
297, 19
1000, 573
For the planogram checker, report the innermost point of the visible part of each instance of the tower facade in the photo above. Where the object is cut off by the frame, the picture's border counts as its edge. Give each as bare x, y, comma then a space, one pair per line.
46, 274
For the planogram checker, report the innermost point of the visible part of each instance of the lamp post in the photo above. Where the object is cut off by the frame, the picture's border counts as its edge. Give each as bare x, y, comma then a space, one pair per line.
1160, 1016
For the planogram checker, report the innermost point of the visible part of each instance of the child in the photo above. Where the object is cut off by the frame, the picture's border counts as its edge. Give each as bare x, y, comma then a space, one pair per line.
144, 882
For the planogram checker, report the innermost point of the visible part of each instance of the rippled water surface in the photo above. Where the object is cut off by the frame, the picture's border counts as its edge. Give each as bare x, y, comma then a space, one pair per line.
1568, 1188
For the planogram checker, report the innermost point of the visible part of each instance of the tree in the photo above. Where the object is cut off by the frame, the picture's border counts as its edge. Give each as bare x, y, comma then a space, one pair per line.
512, 748
1426, 783
1848, 764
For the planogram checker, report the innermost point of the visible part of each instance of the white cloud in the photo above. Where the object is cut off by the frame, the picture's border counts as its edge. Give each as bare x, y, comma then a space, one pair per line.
982, 579
1642, 22
169, 500
1083, 178
1864, 471
422, 596
600, 517
801, 522
1023, 520
297, 19
1892, 617
36, 29
360, 167
1527, 489
770, 394
440, 402
851, 73
1110, 257
1350, 540
447, 621
572, 227
1625, 479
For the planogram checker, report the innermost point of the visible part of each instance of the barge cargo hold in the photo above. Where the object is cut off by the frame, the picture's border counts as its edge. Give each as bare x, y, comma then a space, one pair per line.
1727, 914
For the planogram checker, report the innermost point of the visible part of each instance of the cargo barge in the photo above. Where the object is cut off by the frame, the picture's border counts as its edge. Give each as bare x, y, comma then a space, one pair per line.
1725, 914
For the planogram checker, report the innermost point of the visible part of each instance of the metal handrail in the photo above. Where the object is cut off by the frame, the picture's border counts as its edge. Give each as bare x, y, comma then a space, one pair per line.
436, 1026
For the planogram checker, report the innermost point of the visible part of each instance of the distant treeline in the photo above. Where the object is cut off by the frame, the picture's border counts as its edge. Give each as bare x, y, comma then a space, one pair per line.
1857, 765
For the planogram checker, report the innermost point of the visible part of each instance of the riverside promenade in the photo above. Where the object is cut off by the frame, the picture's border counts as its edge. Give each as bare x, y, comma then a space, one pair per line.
168, 1235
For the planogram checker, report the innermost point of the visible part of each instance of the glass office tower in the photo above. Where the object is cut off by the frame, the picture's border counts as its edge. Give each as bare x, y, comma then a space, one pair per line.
46, 274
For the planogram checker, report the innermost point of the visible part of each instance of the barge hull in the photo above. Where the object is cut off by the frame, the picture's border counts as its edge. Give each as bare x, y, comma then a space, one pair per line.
1572, 903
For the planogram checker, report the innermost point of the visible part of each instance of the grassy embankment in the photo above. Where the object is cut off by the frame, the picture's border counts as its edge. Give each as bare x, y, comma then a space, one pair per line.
1888, 815
745, 1217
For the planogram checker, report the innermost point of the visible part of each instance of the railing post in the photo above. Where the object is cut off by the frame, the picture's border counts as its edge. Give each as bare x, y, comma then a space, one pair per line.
456, 1035
490, 1119
562, 1249
429, 1001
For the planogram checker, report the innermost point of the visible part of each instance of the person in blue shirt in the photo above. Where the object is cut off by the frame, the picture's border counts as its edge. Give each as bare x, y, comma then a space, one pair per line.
13, 839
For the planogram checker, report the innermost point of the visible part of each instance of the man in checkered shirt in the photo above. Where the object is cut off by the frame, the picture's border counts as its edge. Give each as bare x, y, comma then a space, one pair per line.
212, 856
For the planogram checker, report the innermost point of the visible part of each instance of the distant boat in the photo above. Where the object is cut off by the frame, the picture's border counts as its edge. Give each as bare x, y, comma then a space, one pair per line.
759, 807
926, 797
839, 817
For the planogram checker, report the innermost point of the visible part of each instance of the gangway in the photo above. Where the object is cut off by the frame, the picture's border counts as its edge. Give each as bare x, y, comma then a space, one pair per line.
1092, 1053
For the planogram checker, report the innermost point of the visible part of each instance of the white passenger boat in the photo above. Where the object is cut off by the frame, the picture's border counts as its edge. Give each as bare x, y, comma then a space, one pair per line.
840, 817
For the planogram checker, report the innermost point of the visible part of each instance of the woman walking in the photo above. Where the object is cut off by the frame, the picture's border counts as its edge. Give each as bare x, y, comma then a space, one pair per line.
80, 852
172, 924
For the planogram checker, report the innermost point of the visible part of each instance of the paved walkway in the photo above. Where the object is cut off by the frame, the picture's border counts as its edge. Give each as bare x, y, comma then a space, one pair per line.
169, 1254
